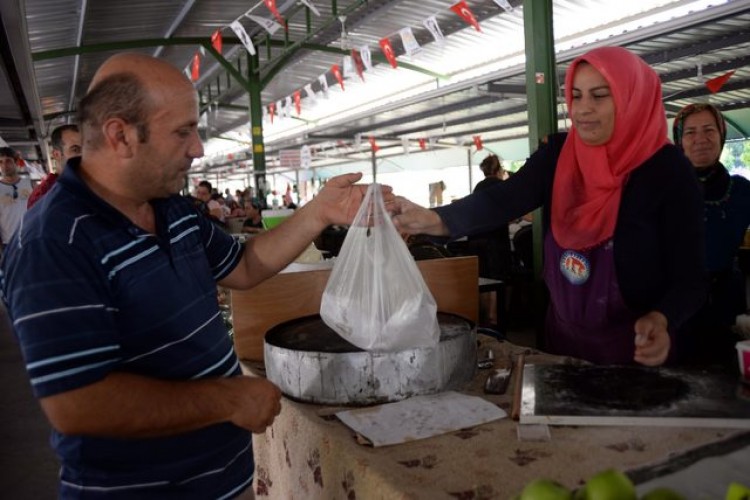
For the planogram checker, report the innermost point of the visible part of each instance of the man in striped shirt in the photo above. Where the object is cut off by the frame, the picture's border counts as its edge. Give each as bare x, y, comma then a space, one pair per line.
111, 287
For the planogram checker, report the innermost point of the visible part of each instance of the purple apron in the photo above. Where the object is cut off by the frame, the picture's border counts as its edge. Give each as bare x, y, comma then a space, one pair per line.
587, 317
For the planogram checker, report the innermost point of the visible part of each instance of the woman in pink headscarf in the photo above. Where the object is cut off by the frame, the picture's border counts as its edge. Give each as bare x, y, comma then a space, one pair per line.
623, 225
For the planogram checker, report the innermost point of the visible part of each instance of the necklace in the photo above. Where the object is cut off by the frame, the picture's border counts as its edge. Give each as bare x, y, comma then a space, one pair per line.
723, 199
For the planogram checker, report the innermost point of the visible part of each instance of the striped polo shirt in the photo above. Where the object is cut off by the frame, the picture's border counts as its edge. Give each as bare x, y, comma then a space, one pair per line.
90, 293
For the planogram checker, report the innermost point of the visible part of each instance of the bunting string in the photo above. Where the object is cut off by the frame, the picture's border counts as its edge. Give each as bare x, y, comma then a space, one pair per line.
357, 62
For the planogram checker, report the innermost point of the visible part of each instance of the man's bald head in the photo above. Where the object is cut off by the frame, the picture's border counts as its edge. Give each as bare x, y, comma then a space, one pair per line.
153, 72
127, 86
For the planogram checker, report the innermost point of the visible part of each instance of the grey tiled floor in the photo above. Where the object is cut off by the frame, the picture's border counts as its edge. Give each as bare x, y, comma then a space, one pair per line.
28, 467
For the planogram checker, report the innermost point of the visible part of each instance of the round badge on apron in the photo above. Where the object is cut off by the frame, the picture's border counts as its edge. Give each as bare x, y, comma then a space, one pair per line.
575, 267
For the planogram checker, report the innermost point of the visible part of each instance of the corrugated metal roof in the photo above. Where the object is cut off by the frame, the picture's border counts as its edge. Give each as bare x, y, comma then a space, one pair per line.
483, 91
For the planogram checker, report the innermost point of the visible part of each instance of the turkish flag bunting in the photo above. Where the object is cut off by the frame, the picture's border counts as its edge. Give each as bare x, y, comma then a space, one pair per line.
195, 70
272, 110
462, 9
271, 4
216, 40
298, 101
422, 143
478, 142
385, 46
358, 64
373, 144
337, 73
715, 84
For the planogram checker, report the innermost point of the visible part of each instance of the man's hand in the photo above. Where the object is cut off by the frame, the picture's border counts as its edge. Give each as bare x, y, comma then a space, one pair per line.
125, 405
652, 340
411, 218
340, 198
258, 403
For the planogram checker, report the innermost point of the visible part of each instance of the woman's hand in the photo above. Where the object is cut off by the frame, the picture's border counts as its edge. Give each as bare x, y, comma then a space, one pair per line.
652, 340
410, 218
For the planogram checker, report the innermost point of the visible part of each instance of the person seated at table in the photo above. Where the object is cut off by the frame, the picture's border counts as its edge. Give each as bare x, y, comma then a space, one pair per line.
700, 130
493, 247
623, 225
254, 222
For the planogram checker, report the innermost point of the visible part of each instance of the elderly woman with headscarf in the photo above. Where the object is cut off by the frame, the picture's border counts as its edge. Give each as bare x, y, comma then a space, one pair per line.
623, 225
700, 130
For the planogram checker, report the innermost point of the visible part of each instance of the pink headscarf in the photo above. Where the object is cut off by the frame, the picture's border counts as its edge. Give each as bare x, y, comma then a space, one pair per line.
589, 179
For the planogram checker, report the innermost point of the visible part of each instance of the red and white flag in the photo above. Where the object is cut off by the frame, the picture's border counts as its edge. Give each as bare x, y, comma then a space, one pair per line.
298, 102
409, 41
239, 30
385, 46
405, 145
715, 84
272, 110
505, 4
337, 73
431, 23
422, 143
271, 4
359, 66
348, 66
216, 40
310, 92
311, 6
269, 25
195, 68
374, 145
323, 81
478, 142
288, 106
462, 9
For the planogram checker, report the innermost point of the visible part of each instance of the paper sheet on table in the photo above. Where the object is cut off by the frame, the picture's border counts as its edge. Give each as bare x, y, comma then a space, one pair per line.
420, 417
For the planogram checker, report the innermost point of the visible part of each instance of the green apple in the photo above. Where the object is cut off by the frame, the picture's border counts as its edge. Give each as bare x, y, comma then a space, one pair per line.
580, 493
610, 484
737, 491
544, 489
662, 494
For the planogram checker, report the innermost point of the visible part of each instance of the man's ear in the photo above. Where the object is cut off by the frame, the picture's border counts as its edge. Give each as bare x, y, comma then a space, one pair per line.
119, 137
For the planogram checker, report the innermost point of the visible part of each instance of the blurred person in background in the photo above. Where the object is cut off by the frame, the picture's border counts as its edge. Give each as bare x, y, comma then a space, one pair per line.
15, 190
66, 144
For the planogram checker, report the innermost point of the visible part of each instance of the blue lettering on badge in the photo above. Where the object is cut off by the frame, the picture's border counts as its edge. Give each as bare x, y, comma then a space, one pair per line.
575, 267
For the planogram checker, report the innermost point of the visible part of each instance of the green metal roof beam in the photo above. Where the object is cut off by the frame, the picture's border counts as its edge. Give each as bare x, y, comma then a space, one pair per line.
736, 126
206, 42
146, 42
115, 46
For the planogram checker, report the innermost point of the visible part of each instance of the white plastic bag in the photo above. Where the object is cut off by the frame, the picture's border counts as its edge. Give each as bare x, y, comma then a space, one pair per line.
376, 297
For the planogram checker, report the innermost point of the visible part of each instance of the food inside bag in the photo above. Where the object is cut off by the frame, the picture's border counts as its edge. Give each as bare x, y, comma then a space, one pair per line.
376, 297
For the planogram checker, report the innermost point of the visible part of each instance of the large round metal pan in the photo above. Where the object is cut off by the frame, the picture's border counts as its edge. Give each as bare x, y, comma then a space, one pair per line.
312, 363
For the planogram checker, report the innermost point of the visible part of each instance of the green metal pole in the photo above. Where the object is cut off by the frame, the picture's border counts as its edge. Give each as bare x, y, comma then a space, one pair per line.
256, 129
541, 92
541, 84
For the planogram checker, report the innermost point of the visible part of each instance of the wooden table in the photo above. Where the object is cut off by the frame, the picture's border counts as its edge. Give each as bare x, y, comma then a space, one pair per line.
309, 454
